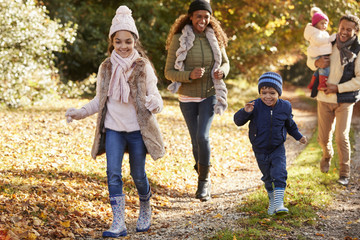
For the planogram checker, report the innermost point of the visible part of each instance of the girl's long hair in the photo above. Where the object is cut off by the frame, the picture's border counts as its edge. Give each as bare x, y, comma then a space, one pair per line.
184, 19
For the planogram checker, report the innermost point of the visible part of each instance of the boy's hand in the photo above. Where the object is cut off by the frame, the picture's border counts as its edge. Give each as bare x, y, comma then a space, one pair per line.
249, 107
303, 140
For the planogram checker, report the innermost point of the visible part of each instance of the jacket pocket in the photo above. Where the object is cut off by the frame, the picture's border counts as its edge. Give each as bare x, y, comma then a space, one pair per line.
252, 134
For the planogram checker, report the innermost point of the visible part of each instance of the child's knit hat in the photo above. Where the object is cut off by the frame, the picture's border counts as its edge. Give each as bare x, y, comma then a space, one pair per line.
123, 21
317, 15
271, 79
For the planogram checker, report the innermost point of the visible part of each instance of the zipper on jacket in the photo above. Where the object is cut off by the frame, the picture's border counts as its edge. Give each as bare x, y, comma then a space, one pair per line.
202, 65
271, 123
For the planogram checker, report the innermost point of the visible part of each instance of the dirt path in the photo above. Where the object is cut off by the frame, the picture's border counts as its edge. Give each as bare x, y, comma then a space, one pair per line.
341, 220
188, 218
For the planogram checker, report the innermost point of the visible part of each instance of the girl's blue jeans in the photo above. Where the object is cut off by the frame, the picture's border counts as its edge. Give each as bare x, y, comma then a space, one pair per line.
198, 118
273, 168
116, 144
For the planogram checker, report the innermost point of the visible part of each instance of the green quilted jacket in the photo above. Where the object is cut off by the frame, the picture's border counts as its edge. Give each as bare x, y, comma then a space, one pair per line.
200, 55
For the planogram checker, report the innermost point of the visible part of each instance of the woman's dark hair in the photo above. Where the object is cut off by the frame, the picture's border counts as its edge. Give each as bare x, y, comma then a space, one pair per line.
184, 19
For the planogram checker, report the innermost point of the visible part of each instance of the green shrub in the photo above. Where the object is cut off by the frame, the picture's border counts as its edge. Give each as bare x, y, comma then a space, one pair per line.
29, 39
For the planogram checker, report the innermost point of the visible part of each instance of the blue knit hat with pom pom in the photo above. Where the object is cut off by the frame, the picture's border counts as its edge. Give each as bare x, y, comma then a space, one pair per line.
271, 79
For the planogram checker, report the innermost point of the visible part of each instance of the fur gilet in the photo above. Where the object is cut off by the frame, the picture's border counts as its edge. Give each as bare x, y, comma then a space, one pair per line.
149, 127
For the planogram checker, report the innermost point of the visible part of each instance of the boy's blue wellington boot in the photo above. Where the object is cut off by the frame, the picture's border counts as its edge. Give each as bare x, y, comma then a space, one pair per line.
203, 191
279, 201
118, 227
271, 208
144, 221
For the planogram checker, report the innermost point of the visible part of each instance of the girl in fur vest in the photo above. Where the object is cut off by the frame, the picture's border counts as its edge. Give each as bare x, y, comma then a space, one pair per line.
197, 64
320, 45
126, 99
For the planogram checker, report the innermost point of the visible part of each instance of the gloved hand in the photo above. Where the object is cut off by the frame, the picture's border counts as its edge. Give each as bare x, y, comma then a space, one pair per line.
153, 104
77, 114
174, 87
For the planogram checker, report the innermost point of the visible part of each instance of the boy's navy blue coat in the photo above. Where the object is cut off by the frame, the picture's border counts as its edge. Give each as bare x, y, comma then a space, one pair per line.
268, 125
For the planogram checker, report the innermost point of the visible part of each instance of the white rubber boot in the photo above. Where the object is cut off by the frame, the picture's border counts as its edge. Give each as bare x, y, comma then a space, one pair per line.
279, 201
271, 208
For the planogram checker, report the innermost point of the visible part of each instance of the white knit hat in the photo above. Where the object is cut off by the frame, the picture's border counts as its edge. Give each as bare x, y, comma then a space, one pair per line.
123, 21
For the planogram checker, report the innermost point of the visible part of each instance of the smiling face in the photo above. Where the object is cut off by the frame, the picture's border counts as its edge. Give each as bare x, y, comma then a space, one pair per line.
200, 19
269, 96
346, 30
124, 43
322, 24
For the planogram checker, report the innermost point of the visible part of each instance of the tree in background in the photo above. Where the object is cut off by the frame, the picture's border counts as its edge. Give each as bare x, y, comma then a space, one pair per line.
28, 42
268, 34
153, 20
264, 34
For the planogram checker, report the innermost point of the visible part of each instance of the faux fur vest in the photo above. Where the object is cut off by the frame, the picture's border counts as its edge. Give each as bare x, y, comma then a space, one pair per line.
148, 124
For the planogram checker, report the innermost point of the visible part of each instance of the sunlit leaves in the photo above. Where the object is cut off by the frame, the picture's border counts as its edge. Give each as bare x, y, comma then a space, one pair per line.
28, 42
50, 187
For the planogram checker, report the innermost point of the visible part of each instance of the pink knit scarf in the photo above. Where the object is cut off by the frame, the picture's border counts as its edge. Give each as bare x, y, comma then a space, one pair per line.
119, 87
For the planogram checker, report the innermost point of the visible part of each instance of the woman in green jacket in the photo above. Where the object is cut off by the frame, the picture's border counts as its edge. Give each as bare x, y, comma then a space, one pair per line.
197, 64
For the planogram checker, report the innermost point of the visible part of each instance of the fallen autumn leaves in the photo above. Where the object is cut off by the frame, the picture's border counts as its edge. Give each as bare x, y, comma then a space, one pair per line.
51, 188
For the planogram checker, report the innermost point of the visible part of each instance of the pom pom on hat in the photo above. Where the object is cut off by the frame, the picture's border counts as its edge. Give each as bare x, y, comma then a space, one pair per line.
200, 5
317, 15
314, 10
271, 79
123, 20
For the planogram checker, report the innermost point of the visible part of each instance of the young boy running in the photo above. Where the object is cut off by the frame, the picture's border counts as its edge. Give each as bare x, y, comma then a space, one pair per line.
270, 121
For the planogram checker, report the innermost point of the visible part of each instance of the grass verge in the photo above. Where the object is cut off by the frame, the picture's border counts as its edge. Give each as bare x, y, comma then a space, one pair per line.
308, 191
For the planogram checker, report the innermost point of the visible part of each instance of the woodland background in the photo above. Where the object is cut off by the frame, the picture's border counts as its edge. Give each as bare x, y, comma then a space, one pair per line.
55, 47
50, 188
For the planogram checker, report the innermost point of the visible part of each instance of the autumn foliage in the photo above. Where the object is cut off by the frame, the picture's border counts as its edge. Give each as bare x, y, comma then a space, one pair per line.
51, 188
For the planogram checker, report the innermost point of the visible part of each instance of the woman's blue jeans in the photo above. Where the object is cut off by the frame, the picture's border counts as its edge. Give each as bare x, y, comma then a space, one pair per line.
116, 144
198, 118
